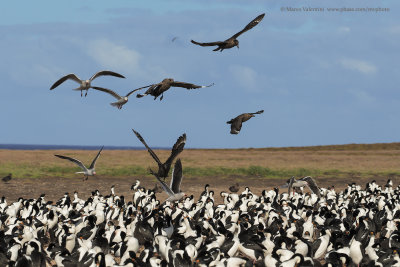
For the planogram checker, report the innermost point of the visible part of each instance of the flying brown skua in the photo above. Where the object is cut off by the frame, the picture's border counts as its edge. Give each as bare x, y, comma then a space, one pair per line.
85, 84
236, 123
158, 89
232, 41
163, 168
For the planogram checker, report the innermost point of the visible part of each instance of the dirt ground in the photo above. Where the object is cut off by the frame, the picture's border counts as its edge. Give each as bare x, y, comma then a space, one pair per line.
54, 188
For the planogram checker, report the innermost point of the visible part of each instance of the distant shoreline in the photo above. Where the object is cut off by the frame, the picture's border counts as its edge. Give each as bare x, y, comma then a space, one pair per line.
338, 147
66, 147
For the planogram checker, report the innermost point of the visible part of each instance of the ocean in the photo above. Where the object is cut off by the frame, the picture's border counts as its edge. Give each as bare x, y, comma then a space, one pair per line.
70, 147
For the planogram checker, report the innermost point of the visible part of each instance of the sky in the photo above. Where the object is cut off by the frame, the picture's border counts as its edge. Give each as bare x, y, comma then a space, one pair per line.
322, 77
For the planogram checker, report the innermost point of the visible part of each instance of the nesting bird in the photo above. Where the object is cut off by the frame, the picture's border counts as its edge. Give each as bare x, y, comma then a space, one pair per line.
85, 85
159, 88
236, 123
232, 41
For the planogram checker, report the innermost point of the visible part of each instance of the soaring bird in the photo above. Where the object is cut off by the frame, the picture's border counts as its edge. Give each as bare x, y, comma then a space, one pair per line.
173, 190
158, 89
87, 172
236, 123
163, 168
121, 100
305, 181
232, 41
85, 84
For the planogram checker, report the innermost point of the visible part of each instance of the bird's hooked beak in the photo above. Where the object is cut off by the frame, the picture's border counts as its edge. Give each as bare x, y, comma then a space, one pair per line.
237, 46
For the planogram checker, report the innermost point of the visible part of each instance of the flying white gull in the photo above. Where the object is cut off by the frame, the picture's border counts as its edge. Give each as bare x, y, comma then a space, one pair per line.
121, 100
87, 172
305, 181
173, 190
85, 84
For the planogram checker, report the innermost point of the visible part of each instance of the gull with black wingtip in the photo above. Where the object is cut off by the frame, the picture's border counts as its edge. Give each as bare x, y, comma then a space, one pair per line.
86, 171
85, 84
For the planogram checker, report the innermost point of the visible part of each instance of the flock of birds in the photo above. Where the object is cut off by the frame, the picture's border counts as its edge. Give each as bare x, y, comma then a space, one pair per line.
354, 227
160, 88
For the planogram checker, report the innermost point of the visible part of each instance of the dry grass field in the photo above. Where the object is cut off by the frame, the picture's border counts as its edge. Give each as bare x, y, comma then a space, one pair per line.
38, 171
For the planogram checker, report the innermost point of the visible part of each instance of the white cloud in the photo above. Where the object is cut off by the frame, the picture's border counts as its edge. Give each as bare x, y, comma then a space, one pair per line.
344, 29
358, 65
113, 56
362, 96
245, 76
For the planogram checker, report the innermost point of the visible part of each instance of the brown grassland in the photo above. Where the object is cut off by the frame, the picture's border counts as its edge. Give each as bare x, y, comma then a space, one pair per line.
38, 171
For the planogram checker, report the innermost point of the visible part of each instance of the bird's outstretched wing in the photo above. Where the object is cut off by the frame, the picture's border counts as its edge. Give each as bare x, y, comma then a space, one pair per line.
207, 44
312, 185
291, 181
76, 161
106, 73
111, 92
258, 112
163, 184
148, 91
249, 26
176, 177
148, 148
236, 125
189, 85
70, 76
95, 159
176, 149
137, 89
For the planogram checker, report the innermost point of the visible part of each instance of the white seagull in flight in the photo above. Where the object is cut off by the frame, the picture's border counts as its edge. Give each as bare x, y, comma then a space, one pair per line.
87, 172
173, 190
85, 84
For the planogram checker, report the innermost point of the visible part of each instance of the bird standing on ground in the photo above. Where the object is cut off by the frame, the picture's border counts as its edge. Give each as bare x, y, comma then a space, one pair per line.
232, 41
85, 84
236, 123
163, 168
234, 188
7, 178
87, 172
121, 100
158, 89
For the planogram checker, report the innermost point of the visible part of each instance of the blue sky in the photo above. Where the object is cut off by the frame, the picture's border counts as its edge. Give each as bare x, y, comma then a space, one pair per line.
321, 77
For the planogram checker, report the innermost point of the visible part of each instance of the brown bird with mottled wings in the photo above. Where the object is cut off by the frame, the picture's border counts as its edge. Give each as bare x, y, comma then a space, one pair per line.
163, 168
232, 41
158, 89
236, 123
